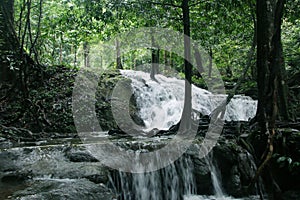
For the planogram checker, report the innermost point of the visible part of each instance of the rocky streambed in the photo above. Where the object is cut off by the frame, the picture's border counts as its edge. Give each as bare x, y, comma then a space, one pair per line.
64, 168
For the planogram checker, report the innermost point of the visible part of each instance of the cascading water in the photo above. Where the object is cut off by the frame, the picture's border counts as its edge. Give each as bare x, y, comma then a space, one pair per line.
161, 102
215, 177
169, 183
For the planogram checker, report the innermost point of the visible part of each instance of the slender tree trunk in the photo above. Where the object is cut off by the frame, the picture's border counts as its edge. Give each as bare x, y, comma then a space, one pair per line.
154, 59
157, 61
135, 64
210, 63
187, 109
251, 53
278, 62
101, 61
86, 51
61, 49
198, 59
75, 55
132, 60
119, 60
254, 41
166, 60
35, 41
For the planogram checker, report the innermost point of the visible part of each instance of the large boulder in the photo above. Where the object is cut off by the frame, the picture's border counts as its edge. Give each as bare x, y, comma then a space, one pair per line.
67, 189
52, 162
234, 166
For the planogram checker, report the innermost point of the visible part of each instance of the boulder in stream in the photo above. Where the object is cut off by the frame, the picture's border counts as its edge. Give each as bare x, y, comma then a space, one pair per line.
69, 189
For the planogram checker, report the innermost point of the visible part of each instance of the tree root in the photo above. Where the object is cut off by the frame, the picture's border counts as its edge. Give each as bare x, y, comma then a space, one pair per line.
19, 132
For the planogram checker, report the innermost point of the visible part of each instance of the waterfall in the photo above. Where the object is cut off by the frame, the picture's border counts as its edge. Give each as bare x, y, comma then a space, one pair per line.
215, 176
169, 183
161, 102
160, 106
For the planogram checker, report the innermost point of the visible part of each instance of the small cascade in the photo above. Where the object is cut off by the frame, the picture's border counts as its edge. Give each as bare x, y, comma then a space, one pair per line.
170, 183
215, 176
161, 102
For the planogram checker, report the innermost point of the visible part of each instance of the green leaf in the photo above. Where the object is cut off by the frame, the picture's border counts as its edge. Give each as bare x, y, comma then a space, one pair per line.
281, 159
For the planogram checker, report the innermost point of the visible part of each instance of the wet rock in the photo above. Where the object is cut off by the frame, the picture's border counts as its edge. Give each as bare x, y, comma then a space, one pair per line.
7, 161
234, 184
202, 172
116, 132
96, 178
203, 177
233, 127
65, 189
5, 144
246, 167
136, 118
52, 162
81, 157
14, 177
171, 131
236, 167
225, 156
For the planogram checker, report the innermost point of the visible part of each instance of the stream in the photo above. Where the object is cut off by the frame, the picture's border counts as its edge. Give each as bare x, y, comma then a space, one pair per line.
68, 171
65, 168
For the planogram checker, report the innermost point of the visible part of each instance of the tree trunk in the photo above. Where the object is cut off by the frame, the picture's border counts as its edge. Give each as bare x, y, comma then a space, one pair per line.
264, 24
154, 59
251, 53
278, 62
254, 42
269, 65
9, 45
210, 63
166, 60
171, 60
75, 55
187, 109
119, 60
12, 53
86, 52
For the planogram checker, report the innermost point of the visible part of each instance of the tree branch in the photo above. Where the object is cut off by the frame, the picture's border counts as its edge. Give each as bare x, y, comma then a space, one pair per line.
32, 48
165, 4
196, 3
175, 18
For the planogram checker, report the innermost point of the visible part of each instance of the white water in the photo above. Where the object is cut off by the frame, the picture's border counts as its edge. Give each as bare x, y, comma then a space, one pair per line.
161, 102
197, 197
216, 180
161, 105
215, 176
171, 183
